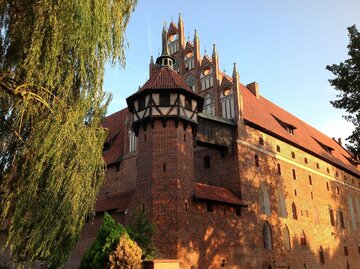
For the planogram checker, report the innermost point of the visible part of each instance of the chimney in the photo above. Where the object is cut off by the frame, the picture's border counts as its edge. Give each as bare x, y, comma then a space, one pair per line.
339, 141
254, 88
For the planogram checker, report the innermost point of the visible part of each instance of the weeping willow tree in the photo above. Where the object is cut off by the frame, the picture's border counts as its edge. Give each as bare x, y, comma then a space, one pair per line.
52, 56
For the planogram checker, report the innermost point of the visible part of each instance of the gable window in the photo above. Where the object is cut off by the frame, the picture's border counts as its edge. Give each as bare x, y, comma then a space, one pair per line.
294, 211
327, 148
191, 81
267, 237
141, 103
164, 99
287, 126
227, 103
206, 162
206, 77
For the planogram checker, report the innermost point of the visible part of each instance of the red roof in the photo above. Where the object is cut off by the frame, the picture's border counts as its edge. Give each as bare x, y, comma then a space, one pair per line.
165, 78
218, 194
118, 201
116, 125
262, 113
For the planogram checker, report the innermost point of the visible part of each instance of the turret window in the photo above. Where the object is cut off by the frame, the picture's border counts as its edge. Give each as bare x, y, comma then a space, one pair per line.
141, 103
187, 103
164, 99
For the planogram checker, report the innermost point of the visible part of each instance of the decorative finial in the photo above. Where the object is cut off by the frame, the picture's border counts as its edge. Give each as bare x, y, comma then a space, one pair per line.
172, 19
214, 50
188, 36
180, 18
165, 49
195, 35
224, 68
235, 72
151, 60
205, 50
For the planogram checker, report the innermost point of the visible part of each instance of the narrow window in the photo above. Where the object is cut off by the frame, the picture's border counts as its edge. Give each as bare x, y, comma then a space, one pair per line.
303, 239
312, 195
295, 192
267, 237
264, 200
261, 141
164, 167
294, 174
278, 148
187, 103
184, 137
345, 178
347, 265
206, 162
337, 190
279, 169
328, 170
341, 219
257, 161
346, 252
331, 214
336, 174
327, 186
164, 99
281, 203
118, 167
144, 137
293, 155
321, 255
141, 103
286, 238
317, 165
186, 206
310, 180
306, 160
238, 211
209, 207
294, 212
359, 250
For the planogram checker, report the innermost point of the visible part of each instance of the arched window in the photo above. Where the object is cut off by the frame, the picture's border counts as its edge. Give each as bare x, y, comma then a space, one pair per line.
294, 212
286, 238
352, 213
267, 237
316, 215
257, 164
281, 204
357, 203
209, 105
302, 238
321, 255
264, 201
189, 60
227, 103
173, 40
191, 81
132, 141
206, 77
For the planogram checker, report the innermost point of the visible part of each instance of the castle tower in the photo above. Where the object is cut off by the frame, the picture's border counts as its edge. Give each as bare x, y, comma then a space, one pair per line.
165, 114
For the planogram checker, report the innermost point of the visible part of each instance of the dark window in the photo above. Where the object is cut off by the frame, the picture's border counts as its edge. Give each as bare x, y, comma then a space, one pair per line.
164, 167
257, 161
117, 168
310, 180
238, 210
206, 161
345, 178
187, 103
164, 99
106, 146
279, 169
327, 170
337, 190
327, 186
295, 192
341, 218
293, 154
303, 239
294, 174
278, 148
261, 141
209, 207
185, 137
306, 160
294, 212
359, 250
331, 214
186, 206
336, 174
317, 165
144, 137
141, 102
311, 195
346, 252
321, 255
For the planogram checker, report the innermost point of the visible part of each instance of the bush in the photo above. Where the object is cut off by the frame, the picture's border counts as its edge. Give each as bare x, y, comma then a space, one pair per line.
126, 256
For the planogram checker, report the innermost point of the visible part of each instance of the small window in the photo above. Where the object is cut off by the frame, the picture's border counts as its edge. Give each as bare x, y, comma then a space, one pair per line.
337, 190
206, 161
278, 148
279, 169
312, 195
184, 137
321, 255
328, 170
106, 146
293, 155
209, 207
317, 166
331, 214
327, 186
267, 236
238, 211
261, 141
295, 193
359, 250
310, 180
187, 103
294, 212
141, 103
294, 174
345, 178
341, 219
164, 99
305, 160
186, 206
257, 161
346, 252
303, 239
336, 174
164, 167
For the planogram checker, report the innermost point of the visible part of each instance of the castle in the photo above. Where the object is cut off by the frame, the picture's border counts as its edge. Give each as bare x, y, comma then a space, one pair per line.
229, 179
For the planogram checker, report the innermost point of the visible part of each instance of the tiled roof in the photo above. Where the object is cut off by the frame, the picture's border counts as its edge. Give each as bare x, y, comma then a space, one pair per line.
165, 78
262, 114
118, 201
116, 125
218, 194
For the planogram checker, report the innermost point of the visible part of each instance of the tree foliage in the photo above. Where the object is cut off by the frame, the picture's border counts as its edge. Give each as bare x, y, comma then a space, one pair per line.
52, 57
127, 255
107, 240
142, 231
347, 83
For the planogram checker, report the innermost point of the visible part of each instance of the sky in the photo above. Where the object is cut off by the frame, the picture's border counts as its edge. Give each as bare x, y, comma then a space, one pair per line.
284, 45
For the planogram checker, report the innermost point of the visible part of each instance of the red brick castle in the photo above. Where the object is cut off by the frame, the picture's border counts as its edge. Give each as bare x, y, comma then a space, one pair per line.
229, 179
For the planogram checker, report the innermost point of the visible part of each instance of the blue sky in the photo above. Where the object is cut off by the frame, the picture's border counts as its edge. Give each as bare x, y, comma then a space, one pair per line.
283, 45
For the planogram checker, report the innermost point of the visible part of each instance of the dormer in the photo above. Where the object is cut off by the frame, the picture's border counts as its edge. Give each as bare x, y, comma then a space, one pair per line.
327, 148
287, 126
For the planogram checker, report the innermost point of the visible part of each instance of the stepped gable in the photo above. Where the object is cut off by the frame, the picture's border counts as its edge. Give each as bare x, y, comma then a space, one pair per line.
261, 114
115, 123
118, 201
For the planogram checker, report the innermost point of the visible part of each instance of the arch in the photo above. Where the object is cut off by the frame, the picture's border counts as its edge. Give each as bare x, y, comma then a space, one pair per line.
286, 237
303, 238
209, 105
264, 201
294, 211
267, 236
352, 211
282, 212
227, 102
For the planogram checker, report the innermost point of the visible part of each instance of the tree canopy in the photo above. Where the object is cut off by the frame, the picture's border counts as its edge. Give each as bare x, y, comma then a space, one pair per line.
52, 57
347, 83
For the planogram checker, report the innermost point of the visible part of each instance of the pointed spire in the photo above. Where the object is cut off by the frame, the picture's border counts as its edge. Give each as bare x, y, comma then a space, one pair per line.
214, 53
235, 72
180, 19
195, 36
165, 49
151, 61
